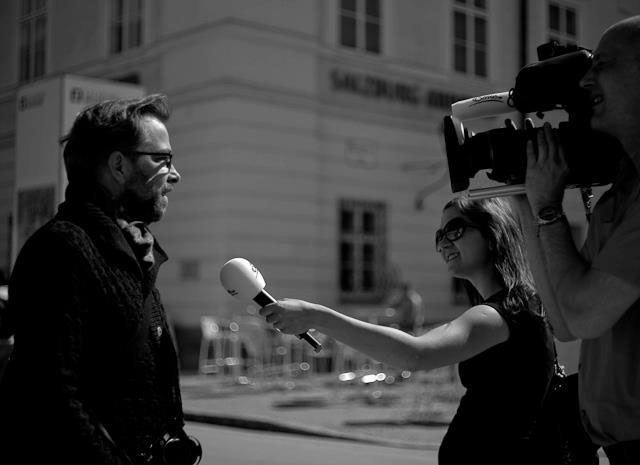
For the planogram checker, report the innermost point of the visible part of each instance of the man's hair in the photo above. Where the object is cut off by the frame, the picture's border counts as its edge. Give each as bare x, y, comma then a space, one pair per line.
499, 225
106, 127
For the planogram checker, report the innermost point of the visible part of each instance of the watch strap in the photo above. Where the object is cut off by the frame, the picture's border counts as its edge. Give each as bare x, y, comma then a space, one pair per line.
549, 215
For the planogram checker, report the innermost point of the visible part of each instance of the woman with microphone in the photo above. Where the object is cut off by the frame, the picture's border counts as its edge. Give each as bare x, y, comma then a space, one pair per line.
502, 343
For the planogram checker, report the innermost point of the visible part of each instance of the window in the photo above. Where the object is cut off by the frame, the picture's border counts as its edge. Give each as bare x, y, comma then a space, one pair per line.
190, 270
362, 250
360, 24
130, 78
470, 37
562, 24
33, 39
126, 25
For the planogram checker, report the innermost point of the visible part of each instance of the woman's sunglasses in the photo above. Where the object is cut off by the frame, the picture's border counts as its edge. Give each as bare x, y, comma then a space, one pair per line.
453, 230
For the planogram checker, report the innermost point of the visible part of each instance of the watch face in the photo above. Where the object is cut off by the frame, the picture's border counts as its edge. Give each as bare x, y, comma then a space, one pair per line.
549, 213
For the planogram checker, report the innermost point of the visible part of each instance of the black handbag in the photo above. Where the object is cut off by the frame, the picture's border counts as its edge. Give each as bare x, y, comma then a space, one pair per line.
560, 434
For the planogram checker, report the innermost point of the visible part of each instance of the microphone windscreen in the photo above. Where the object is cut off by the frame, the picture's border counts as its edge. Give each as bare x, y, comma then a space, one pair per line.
241, 279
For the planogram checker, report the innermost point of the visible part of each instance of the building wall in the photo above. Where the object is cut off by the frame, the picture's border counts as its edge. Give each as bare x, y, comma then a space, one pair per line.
266, 142
80, 32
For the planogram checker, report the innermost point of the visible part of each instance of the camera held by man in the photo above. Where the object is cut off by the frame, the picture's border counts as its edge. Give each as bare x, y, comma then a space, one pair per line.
549, 84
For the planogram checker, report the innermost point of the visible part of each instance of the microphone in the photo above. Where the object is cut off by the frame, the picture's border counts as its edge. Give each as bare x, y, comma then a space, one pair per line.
243, 280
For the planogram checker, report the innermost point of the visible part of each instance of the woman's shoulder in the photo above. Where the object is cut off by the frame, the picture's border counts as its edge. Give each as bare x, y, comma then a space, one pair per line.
523, 302
521, 309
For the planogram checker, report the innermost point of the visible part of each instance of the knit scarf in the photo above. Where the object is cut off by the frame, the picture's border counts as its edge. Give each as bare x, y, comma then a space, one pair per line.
141, 241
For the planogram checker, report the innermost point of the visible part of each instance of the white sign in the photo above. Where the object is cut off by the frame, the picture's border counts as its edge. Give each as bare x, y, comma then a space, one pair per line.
46, 111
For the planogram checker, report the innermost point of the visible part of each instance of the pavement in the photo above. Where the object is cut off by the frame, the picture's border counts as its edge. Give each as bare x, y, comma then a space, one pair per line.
370, 408
405, 410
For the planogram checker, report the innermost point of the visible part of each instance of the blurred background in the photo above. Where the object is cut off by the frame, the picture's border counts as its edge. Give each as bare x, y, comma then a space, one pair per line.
308, 137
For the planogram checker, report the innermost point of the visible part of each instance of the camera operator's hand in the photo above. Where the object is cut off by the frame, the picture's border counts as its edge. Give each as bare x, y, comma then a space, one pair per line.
521, 206
547, 170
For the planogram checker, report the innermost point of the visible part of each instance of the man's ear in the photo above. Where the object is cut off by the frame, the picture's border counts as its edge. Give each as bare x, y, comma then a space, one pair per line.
117, 166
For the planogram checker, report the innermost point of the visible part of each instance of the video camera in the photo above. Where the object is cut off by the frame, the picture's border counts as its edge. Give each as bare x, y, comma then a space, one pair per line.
549, 84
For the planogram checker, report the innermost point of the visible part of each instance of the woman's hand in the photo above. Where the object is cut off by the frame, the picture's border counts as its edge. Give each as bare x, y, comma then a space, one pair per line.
291, 316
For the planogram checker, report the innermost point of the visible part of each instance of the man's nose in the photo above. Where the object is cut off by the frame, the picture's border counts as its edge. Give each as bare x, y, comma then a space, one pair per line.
174, 176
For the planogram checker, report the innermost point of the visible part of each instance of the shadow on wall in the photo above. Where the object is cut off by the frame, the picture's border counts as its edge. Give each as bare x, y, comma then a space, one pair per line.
188, 342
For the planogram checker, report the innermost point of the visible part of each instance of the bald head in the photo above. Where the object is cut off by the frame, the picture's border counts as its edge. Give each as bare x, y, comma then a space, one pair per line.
629, 24
612, 84
626, 34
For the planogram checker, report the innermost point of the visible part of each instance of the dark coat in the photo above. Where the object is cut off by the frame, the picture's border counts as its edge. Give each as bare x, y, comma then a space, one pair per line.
92, 345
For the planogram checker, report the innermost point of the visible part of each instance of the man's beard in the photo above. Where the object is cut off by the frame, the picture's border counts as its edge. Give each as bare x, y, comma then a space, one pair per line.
135, 208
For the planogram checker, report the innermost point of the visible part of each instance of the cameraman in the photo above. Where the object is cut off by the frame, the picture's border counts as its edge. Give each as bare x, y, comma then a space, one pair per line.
593, 294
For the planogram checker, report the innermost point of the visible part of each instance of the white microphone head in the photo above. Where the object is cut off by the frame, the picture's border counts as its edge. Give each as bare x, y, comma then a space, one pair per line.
241, 279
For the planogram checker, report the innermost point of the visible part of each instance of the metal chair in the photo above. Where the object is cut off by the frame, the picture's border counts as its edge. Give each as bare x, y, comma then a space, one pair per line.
219, 347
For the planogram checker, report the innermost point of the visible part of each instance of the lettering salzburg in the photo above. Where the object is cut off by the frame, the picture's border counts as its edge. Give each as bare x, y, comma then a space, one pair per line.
393, 91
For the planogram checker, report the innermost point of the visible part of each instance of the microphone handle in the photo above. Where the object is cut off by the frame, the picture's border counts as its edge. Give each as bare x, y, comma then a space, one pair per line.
264, 298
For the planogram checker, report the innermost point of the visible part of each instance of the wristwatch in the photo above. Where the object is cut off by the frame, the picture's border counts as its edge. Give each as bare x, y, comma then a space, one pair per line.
549, 215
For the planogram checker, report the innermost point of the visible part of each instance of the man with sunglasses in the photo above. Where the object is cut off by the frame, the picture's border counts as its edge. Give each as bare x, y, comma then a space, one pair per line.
593, 294
93, 376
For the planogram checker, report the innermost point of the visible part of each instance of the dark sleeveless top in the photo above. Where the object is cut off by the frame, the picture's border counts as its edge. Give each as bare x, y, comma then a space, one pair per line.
505, 387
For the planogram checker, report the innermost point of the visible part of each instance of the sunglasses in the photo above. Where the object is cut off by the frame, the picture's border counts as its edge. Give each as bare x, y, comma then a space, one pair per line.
453, 230
166, 157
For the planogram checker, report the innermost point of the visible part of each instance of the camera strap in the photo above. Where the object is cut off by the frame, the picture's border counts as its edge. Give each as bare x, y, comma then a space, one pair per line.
110, 440
587, 196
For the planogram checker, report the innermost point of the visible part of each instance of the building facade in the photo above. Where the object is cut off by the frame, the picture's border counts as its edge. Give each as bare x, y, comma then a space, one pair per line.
308, 133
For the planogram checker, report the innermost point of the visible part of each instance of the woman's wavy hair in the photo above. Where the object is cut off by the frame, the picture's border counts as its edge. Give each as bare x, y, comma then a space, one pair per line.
500, 226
